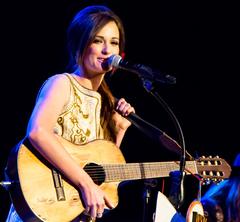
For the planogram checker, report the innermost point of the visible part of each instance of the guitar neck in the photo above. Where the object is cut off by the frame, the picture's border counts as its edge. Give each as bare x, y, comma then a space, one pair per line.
131, 171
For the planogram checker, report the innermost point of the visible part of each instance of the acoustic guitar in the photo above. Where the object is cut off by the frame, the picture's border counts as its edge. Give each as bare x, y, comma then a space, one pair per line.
40, 193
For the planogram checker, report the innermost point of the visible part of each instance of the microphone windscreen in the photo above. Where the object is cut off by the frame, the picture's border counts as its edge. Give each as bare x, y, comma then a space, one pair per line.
114, 60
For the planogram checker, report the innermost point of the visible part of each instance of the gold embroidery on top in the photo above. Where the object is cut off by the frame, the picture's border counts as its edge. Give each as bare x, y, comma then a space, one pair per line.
76, 122
76, 133
60, 120
98, 132
75, 104
85, 116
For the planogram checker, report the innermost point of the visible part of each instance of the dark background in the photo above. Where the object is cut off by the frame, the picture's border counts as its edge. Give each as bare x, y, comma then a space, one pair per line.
195, 41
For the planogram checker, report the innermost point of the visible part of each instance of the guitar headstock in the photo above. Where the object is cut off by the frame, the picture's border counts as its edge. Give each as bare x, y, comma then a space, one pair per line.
213, 169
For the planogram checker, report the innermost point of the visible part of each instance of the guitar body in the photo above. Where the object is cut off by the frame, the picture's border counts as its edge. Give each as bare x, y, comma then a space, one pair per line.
34, 197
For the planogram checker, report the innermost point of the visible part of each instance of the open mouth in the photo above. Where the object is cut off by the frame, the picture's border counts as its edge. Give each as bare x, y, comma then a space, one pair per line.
101, 60
104, 63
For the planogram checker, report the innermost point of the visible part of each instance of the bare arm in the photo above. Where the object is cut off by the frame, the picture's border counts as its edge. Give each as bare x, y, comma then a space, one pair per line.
49, 105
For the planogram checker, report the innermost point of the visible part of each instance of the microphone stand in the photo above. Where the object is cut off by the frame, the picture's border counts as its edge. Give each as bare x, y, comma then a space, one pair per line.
148, 76
148, 85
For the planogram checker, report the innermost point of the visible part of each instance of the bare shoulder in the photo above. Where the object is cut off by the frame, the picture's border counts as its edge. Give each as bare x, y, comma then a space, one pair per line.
55, 84
56, 80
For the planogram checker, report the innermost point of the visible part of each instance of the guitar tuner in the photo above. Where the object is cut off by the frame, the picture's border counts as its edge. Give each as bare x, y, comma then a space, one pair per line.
211, 162
217, 162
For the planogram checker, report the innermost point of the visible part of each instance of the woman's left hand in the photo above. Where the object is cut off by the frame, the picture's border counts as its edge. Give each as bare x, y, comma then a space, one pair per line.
123, 109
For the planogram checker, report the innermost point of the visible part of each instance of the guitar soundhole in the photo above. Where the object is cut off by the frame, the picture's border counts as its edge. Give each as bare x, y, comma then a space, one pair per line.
96, 172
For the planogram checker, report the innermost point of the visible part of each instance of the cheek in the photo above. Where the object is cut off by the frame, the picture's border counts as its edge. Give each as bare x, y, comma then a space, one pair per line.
116, 51
90, 53
94, 49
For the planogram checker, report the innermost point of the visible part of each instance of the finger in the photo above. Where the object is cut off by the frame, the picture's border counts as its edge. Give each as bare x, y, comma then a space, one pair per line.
100, 209
120, 102
93, 211
131, 110
125, 108
86, 211
108, 203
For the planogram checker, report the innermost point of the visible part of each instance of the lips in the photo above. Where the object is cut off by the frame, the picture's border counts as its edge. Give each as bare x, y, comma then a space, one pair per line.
102, 60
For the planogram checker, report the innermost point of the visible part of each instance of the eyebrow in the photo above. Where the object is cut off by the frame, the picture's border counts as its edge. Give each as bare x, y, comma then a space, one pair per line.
99, 36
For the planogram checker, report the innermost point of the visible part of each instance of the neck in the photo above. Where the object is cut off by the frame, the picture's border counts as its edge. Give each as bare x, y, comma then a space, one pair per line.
91, 82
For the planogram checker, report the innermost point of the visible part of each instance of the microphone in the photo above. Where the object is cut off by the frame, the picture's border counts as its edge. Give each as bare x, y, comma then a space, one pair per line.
142, 71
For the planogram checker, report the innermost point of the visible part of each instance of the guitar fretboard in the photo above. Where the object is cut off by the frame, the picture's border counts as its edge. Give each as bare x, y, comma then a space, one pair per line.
131, 171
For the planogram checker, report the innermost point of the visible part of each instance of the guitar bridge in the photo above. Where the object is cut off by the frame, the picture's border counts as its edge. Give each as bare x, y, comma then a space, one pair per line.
57, 179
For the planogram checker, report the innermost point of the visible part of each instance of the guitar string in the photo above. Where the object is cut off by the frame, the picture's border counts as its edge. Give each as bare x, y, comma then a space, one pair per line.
129, 170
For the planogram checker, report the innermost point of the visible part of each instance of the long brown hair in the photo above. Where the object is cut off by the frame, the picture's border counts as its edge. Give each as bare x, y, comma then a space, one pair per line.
81, 33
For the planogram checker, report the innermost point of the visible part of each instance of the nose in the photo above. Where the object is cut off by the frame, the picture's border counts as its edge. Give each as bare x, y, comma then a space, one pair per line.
106, 49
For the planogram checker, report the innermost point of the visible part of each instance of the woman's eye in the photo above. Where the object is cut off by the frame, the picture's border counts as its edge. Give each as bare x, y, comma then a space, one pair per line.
97, 41
115, 43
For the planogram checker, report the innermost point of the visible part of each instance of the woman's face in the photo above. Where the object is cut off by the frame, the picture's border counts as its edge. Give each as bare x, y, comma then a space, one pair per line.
105, 44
